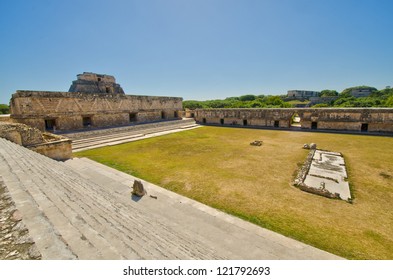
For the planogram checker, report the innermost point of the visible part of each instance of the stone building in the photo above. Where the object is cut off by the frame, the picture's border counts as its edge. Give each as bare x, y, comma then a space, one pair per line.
95, 83
349, 119
302, 94
361, 92
48, 110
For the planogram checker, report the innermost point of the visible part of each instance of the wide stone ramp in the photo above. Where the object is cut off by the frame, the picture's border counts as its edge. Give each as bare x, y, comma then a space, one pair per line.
84, 210
76, 218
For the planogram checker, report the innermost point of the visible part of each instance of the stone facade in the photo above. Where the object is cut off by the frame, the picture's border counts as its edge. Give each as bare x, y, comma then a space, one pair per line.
361, 92
350, 119
94, 101
302, 93
95, 83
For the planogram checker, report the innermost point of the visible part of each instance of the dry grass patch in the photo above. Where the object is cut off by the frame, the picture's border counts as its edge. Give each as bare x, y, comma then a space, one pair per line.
218, 167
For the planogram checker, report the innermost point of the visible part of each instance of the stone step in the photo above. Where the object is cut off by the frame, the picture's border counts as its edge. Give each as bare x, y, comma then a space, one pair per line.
93, 210
48, 241
159, 242
98, 144
138, 127
96, 141
49, 196
57, 185
183, 124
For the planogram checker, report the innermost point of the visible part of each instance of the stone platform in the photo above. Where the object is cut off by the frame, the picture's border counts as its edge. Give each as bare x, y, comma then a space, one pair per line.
328, 175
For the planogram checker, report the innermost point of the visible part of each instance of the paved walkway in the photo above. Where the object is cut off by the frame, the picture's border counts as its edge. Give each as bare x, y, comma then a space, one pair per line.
83, 210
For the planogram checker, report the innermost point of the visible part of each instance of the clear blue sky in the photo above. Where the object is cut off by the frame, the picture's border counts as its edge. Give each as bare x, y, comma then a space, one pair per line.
197, 49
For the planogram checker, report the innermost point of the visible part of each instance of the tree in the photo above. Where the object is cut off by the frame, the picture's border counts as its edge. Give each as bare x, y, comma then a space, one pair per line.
248, 97
320, 105
4, 109
389, 101
274, 100
192, 104
328, 92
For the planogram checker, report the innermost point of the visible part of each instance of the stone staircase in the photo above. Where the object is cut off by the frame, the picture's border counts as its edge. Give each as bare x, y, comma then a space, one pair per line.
104, 137
75, 218
80, 209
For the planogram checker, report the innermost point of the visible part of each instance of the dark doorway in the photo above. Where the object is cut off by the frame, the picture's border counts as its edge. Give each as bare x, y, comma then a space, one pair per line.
133, 117
192, 115
175, 115
314, 125
244, 122
364, 127
162, 115
50, 124
86, 121
107, 90
221, 121
204, 120
276, 123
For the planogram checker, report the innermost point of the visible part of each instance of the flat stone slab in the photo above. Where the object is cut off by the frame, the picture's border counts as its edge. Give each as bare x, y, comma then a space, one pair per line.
327, 173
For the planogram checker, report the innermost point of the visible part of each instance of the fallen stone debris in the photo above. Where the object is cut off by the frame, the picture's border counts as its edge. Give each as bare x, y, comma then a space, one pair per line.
311, 146
324, 174
15, 241
256, 143
138, 189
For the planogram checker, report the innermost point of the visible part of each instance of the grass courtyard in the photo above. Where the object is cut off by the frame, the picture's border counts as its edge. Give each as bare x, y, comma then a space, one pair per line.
218, 167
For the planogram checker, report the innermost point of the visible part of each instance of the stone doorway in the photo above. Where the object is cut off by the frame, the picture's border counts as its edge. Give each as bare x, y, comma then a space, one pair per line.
50, 124
364, 127
86, 121
314, 125
295, 121
133, 117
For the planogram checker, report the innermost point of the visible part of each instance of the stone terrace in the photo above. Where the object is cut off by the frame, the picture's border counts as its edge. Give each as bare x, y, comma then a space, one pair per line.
83, 210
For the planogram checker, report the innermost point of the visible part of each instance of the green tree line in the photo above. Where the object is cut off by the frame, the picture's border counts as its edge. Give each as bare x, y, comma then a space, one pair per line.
4, 109
377, 98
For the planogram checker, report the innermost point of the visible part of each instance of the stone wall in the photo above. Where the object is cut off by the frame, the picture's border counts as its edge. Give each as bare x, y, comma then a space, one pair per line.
5, 118
21, 134
71, 111
58, 149
50, 145
351, 119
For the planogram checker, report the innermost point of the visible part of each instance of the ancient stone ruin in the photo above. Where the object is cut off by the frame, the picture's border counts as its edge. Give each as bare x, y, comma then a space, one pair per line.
344, 119
95, 83
94, 101
324, 173
311, 146
256, 143
48, 144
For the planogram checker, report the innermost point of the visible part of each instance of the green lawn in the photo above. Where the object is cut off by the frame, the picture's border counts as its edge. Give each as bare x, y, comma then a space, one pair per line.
218, 167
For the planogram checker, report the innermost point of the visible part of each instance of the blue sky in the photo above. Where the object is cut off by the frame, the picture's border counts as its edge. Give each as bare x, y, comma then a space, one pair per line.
197, 49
